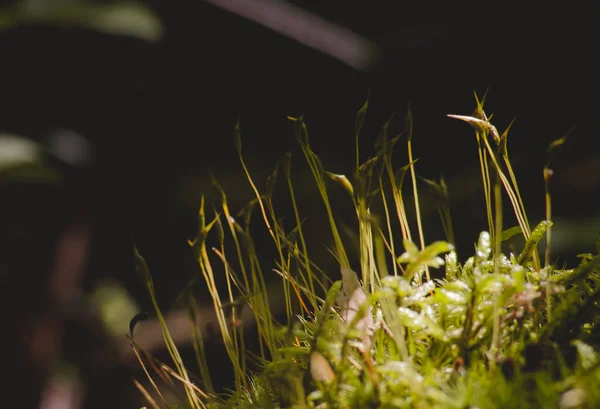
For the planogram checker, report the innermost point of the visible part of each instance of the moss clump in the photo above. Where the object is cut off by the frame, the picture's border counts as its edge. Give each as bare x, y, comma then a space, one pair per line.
415, 328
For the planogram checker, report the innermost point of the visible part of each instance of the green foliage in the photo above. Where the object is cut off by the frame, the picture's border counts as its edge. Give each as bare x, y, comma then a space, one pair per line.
498, 330
125, 18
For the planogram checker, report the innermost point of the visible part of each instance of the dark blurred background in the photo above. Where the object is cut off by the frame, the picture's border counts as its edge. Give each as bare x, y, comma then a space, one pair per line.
112, 114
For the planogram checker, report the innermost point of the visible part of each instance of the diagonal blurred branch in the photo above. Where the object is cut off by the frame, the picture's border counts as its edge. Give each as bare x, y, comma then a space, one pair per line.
306, 28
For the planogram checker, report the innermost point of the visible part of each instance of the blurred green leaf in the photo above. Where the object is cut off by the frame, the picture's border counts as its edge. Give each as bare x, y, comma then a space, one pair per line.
17, 150
126, 18
114, 305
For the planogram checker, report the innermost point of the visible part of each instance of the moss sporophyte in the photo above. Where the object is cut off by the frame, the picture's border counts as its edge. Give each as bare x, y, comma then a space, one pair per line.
416, 327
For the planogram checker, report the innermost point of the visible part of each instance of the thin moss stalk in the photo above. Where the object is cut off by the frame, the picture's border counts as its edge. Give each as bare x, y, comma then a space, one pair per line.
316, 167
495, 348
411, 161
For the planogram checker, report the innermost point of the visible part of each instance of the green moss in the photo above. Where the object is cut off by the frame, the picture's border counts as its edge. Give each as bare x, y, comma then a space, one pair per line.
499, 330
